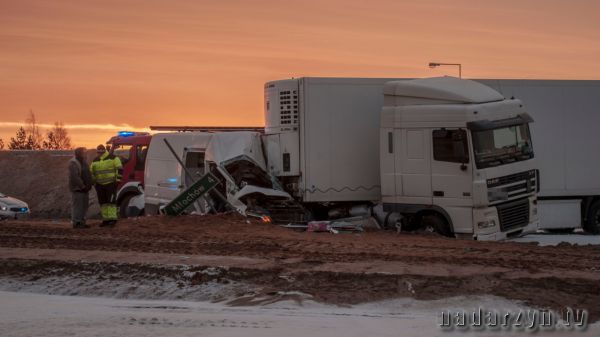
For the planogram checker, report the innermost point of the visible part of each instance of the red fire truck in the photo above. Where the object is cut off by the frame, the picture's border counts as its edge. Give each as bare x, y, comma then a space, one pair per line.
131, 147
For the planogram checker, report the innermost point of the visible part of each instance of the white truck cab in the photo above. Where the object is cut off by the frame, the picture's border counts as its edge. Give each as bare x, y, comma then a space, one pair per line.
458, 154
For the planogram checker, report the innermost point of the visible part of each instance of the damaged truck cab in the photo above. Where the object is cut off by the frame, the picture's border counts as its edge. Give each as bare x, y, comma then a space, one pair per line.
457, 155
235, 158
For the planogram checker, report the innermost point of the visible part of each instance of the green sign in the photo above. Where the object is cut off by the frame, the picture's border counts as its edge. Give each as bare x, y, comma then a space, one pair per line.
190, 195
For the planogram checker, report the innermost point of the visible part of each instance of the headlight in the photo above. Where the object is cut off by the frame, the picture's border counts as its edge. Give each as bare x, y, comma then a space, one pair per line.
4, 208
486, 224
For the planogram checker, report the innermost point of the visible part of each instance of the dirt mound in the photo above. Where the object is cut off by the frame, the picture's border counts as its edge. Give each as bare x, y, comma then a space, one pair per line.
40, 179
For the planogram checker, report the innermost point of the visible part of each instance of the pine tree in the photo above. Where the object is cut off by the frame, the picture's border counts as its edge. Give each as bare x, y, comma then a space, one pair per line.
19, 142
30, 144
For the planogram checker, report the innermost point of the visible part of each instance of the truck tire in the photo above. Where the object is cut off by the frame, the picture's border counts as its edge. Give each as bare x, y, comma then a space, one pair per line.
124, 206
437, 223
592, 221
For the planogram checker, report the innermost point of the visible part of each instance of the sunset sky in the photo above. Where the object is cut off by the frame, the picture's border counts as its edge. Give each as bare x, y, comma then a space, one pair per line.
100, 66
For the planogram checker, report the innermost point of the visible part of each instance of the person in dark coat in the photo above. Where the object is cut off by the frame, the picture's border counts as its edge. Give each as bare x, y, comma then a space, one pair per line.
80, 183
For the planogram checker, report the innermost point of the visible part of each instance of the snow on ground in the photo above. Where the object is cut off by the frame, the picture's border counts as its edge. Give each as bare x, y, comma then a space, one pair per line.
26, 314
555, 239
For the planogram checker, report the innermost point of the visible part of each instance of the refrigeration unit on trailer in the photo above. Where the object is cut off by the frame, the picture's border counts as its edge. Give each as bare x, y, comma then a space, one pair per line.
566, 140
322, 139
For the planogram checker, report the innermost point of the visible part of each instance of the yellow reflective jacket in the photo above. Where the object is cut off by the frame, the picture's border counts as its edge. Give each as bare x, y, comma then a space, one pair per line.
106, 169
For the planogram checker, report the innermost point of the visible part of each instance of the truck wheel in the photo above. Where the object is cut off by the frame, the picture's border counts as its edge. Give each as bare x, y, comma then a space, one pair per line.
124, 207
592, 222
436, 223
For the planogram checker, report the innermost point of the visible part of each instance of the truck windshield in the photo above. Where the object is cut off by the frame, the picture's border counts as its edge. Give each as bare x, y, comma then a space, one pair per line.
500, 146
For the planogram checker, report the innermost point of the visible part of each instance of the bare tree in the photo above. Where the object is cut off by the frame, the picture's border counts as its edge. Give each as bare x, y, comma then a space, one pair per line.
57, 138
1, 144
34, 138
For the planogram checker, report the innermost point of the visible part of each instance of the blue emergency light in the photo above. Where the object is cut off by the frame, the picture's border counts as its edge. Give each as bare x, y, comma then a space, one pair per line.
126, 133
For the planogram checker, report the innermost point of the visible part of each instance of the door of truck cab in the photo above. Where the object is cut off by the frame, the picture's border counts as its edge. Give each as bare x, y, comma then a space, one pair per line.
127, 156
452, 176
133, 159
195, 165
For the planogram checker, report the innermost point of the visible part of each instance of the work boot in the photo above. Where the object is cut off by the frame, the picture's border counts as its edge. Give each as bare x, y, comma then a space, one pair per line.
80, 225
108, 223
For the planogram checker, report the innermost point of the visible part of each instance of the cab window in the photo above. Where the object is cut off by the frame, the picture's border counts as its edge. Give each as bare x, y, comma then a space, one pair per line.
123, 152
142, 151
450, 146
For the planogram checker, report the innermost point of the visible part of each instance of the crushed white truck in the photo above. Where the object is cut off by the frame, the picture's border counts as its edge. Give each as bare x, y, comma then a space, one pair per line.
235, 158
448, 154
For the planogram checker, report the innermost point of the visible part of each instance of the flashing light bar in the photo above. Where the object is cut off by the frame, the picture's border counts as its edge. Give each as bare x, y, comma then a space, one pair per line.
126, 133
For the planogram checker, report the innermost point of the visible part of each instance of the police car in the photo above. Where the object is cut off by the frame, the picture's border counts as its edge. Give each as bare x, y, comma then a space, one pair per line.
11, 207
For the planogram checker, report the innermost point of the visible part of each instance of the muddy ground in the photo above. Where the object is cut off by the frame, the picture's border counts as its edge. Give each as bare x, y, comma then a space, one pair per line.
228, 258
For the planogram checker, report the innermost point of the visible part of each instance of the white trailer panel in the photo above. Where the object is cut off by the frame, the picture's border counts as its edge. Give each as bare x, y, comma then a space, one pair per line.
560, 213
340, 138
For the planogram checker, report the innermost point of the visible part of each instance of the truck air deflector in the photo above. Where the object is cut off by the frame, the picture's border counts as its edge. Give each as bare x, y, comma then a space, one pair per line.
490, 125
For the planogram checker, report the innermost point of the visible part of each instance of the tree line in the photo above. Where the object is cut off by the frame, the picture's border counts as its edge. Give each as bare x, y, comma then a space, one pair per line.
29, 137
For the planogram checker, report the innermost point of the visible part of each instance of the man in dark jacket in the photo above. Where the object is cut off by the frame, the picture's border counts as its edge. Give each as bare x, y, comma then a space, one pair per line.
80, 183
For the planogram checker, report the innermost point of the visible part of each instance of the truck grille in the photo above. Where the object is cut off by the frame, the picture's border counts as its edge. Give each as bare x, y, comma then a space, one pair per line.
513, 186
514, 214
513, 178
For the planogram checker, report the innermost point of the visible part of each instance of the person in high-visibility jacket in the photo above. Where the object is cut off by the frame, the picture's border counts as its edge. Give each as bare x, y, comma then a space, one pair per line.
106, 172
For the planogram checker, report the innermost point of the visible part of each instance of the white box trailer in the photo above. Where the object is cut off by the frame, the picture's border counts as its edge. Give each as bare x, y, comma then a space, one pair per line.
566, 138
